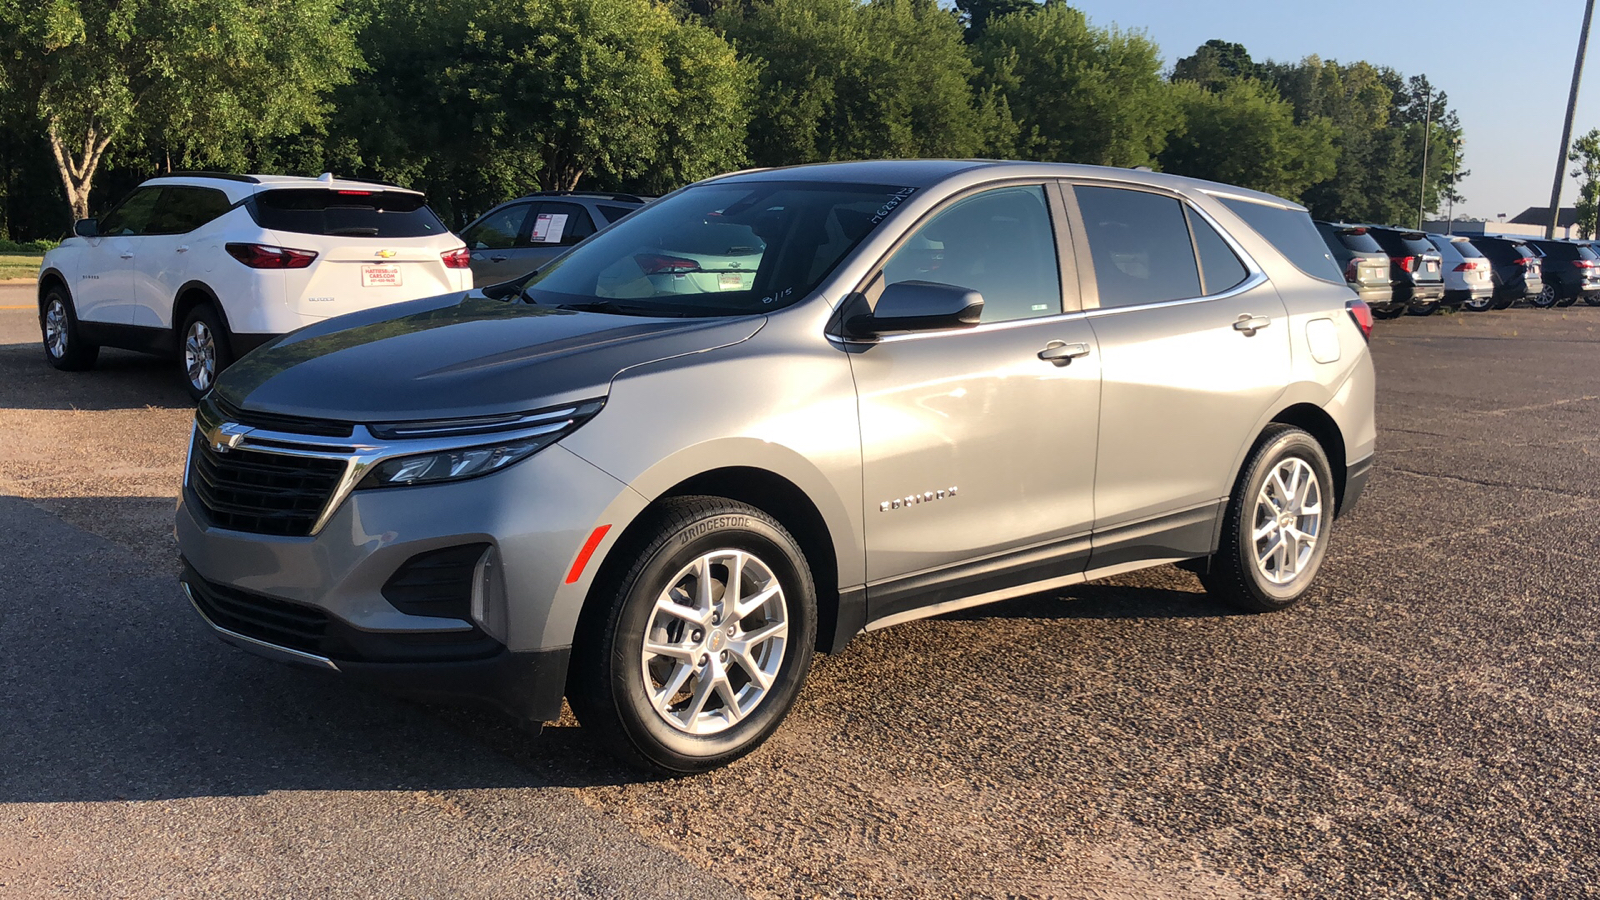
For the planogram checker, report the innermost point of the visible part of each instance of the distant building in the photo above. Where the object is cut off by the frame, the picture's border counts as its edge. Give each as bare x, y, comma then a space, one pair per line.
1529, 223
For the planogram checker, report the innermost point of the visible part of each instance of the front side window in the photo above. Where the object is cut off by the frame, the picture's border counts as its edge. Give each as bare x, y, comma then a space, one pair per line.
133, 215
724, 248
498, 230
1140, 247
561, 224
998, 243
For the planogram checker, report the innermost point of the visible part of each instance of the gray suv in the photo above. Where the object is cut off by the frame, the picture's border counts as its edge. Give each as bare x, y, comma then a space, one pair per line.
520, 235
774, 410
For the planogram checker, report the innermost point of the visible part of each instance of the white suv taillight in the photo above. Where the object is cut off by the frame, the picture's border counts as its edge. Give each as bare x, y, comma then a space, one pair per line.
266, 256
459, 258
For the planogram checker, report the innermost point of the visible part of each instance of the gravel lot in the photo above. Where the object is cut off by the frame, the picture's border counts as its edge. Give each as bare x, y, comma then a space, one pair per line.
1425, 726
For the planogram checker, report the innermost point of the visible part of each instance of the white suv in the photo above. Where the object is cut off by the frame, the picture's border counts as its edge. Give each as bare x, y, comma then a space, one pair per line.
210, 266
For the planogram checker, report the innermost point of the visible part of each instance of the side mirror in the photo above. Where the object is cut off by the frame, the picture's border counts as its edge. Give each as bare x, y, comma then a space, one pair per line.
86, 228
921, 306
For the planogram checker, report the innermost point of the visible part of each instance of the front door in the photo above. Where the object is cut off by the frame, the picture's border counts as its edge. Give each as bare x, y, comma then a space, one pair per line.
167, 258
104, 292
978, 455
1194, 349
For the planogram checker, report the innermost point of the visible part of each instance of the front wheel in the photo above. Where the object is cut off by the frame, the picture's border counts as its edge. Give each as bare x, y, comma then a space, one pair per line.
206, 350
1275, 532
691, 656
64, 346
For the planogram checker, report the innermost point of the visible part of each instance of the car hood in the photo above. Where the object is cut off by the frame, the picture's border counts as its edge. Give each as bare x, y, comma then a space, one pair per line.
458, 355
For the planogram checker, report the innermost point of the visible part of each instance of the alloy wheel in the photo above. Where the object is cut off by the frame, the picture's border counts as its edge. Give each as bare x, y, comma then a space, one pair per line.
55, 328
715, 641
200, 355
1288, 520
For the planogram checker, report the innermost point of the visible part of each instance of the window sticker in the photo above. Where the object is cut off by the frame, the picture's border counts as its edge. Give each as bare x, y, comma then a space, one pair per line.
548, 228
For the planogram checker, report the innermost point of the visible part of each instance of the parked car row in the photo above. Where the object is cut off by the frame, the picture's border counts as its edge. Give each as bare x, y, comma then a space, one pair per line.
1397, 271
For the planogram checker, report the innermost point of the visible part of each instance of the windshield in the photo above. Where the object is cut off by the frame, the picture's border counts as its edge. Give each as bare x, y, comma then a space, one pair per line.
719, 249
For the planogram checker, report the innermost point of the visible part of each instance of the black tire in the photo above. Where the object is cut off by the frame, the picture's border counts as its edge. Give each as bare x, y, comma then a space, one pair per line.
1545, 299
1234, 574
199, 364
607, 683
68, 352
1592, 299
1505, 300
1422, 309
1567, 301
1478, 304
1393, 312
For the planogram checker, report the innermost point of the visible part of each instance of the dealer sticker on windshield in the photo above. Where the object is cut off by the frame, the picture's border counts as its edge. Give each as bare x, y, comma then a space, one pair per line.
380, 276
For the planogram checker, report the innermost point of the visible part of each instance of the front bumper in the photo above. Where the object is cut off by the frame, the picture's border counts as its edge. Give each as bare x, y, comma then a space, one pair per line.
320, 600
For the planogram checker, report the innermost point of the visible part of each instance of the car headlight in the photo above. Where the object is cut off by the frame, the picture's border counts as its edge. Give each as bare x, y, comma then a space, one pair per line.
519, 437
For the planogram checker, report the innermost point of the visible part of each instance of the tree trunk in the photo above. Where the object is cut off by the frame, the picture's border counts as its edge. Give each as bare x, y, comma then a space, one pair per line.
77, 172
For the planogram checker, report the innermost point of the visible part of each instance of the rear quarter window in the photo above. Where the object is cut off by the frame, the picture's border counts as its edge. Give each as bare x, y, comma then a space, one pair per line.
345, 213
1291, 232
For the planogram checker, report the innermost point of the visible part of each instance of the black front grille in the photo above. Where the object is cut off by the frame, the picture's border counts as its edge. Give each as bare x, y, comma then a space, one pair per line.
436, 583
261, 493
263, 618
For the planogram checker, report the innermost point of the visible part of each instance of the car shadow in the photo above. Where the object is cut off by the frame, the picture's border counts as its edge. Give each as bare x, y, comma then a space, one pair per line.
121, 379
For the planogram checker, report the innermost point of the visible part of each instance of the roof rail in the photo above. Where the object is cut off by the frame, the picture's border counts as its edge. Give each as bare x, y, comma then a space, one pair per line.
604, 195
225, 176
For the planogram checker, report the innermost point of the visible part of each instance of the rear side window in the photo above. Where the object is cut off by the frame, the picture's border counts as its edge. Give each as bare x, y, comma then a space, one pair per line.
615, 213
1291, 232
1140, 246
346, 213
183, 209
1220, 269
559, 223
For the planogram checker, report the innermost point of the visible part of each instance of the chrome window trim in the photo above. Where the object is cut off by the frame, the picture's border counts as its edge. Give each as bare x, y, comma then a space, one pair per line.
950, 332
1251, 282
363, 449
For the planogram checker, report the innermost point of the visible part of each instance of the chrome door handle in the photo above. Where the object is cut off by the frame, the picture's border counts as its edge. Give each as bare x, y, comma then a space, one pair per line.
1251, 324
1061, 353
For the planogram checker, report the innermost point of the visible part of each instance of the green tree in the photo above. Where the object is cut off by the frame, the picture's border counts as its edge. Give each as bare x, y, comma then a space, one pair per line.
1245, 134
1214, 64
1078, 93
200, 78
846, 80
1586, 153
475, 101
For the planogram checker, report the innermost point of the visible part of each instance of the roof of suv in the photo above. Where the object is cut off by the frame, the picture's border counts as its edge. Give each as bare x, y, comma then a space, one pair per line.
923, 173
229, 180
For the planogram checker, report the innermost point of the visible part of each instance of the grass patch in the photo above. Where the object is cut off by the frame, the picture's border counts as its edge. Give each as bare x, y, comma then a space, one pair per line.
19, 265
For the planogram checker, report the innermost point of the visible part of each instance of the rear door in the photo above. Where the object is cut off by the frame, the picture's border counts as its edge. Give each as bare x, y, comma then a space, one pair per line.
1194, 348
493, 239
167, 259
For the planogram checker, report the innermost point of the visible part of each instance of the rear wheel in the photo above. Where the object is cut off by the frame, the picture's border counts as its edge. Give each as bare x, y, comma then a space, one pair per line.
1592, 299
1393, 312
1546, 297
206, 350
64, 347
1275, 532
693, 656
1422, 309
1478, 304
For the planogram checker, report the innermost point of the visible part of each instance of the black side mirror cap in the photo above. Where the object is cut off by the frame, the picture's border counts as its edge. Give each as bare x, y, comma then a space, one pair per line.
86, 228
920, 306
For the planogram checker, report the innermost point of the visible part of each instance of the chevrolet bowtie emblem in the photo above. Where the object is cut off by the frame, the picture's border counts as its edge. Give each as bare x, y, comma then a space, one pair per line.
387, 254
229, 436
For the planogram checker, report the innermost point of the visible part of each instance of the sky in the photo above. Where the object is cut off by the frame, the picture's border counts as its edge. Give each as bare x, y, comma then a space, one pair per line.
1505, 67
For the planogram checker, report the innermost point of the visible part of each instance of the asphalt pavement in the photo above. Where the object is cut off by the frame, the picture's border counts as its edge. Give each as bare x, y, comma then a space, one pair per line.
1423, 726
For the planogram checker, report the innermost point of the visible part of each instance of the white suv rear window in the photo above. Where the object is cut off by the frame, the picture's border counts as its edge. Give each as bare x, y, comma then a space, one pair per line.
345, 213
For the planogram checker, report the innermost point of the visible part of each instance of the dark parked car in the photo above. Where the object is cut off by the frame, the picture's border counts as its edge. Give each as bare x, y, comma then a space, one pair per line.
1517, 268
1364, 263
521, 235
1415, 269
1571, 271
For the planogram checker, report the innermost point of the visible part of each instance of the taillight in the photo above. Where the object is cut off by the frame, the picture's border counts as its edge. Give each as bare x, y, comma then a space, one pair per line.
1467, 266
459, 258
1361, 314
656, 264
1583, 263
1527, 261
266, 256
1404, 262
1352, 270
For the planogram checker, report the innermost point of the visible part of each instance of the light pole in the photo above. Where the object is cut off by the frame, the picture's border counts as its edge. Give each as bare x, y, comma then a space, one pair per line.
1427, 127
1566, 129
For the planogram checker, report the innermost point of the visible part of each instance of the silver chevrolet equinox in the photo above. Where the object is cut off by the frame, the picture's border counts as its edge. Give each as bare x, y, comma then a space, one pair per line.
772, 411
